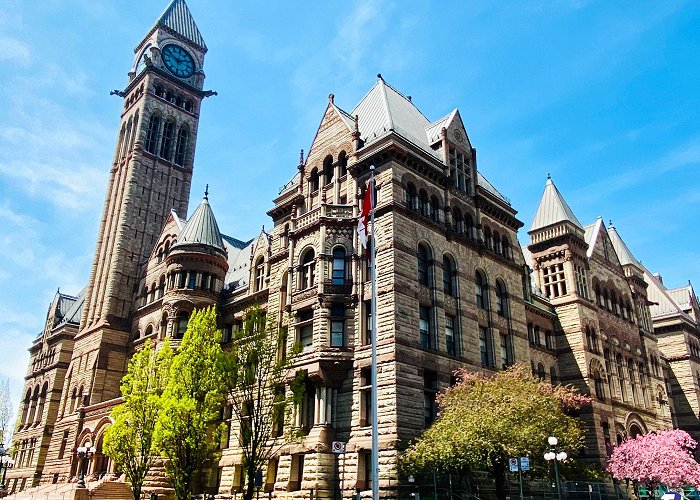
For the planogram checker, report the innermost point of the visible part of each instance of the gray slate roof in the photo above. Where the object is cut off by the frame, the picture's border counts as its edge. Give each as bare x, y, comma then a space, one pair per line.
238, 262
621, 249
177, 17
552, 209
202, 228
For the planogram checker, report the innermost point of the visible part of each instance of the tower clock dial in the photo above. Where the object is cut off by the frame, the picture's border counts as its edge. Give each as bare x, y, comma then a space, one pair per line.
178, 61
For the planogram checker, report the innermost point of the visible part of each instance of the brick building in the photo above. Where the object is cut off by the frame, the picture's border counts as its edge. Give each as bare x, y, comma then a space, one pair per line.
455, 288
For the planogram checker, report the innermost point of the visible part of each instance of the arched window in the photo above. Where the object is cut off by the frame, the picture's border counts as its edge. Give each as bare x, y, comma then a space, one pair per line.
488, 239
343, 162
134, 132
313, 180
181, 146
482, 298
598, 385
159, 91
25, 407
423, 265
166, 145
74, 399
411, 197
423, 202
307, 277
458, 220
149, 330
152, 134
540, 371
505, 247
448, 276
469, 226
435, 209
161, 288
259, 274
182, 320
188, 106
118, 154
327, 170
496, 242
338, 269
501, 299
553, 378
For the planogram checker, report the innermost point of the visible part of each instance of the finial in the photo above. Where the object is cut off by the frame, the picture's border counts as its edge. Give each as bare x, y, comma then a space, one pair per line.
549, 177
206, 192
410, 99
610, 222
301, 157
331, 97
379, 77
357, 123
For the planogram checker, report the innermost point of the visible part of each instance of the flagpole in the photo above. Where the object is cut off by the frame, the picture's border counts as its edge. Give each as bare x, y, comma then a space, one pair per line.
375, 420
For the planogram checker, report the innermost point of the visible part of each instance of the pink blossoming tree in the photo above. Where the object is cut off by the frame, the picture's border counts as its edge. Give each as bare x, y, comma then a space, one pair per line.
664, 457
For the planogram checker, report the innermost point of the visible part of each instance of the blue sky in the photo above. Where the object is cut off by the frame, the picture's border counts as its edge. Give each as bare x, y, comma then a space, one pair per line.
602, 95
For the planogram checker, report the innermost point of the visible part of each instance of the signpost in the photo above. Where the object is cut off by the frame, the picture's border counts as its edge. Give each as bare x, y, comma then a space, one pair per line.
519, 464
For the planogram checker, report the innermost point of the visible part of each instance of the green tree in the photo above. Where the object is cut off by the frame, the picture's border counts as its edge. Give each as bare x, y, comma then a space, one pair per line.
484, 420
129, 440
186, 434
256, 369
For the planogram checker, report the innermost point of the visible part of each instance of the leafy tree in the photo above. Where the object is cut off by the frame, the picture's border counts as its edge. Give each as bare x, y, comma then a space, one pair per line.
484, 420
185, 433
5, 411
664, 457
129, 441
255, 377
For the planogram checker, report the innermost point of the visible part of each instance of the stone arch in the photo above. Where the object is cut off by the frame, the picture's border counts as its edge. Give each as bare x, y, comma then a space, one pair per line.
635, 425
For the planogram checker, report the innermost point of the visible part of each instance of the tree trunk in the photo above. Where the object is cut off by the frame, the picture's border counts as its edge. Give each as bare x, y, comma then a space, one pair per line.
499, 475
249, 484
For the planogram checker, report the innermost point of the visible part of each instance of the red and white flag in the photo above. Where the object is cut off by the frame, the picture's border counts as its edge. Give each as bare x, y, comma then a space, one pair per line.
363, 220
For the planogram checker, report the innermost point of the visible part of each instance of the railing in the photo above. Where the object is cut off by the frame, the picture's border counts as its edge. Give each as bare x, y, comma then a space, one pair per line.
323, 210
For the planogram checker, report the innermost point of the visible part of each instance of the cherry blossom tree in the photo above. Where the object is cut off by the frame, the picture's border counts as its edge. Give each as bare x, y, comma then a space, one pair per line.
664, 457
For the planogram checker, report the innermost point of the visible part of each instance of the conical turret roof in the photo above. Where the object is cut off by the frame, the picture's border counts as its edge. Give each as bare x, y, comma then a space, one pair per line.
621, 249
178, 18
553, 209
201, 229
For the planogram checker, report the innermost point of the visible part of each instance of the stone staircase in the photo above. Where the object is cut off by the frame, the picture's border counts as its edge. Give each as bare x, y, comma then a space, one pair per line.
111, 490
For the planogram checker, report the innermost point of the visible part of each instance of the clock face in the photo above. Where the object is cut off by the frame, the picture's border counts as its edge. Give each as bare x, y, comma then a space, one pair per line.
178, 61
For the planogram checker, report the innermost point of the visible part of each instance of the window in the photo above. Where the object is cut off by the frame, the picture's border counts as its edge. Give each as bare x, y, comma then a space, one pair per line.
152, 134
166, 144
469, 227
430, 387
364, 471
435, 209
554, 281
505, 247
506, 351
548, 340
328, 170
423, 265
313, 181
450, 335
540, 371
181, 146
182, 320
423, 203
411, 197
305, 329
337, 325
459, 170
191, 280
482, 301
501, 299
259, 274
488, 239
367, 338
343, 162
308, 270
538, 338
581, 281
448, 276
530, 333
271, 475
554, 379
365, 397
424, 327
278, 415
598, 384
296, 472
457, 221
484, 347
338, 271
64, 443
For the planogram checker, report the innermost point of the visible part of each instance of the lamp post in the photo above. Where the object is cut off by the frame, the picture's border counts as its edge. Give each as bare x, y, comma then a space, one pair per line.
557, 456
84, 453
5, 462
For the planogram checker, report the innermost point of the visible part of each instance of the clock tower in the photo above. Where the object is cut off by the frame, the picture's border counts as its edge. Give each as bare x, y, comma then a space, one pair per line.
150, 175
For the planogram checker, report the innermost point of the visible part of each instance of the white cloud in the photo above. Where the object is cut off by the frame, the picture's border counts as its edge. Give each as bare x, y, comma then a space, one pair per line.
15, 51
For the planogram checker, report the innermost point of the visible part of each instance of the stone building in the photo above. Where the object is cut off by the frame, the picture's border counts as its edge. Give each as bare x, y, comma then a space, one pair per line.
455, 289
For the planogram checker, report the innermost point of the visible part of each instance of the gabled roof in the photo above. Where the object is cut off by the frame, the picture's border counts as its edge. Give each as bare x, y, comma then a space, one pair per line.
662, 301
590, 235
621, 249
178, 18
553, 209
433, 130
386, 109
201, 229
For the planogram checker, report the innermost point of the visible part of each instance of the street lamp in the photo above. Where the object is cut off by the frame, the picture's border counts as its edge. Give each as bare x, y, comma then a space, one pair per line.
83, 453
5, 462
557, 456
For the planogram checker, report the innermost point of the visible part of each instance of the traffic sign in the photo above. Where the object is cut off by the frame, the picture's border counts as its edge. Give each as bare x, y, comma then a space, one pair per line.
338, 447
524, 463
513, 464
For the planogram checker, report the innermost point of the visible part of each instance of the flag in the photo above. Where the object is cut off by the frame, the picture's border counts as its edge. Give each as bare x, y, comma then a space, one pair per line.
363, 220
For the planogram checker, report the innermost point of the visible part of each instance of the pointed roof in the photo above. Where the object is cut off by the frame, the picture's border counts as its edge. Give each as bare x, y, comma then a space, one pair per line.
178, 18
386, 109
201, 229
553, 209
621, 249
